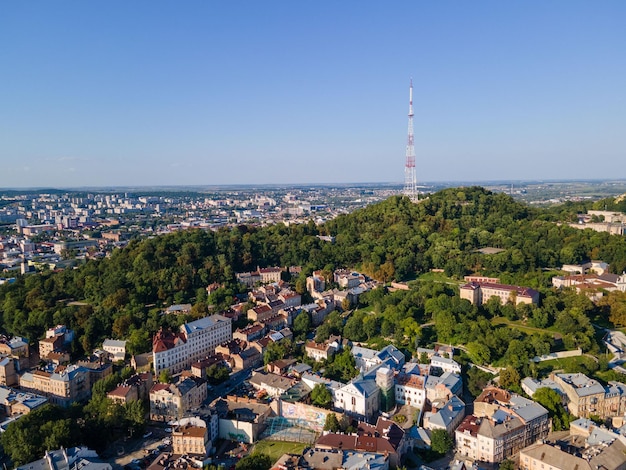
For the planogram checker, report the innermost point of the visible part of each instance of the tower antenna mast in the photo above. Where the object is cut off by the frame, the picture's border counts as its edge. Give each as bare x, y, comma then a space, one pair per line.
410, 180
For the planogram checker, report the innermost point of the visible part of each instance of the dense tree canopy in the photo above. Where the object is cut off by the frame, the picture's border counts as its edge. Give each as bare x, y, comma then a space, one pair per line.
121, 296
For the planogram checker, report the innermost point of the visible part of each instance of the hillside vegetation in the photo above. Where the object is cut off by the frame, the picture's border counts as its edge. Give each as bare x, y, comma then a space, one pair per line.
394, 239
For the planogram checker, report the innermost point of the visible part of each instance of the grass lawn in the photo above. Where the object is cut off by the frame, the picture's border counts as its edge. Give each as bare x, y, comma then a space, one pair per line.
530, 330
277, 448
439, 277
566, 363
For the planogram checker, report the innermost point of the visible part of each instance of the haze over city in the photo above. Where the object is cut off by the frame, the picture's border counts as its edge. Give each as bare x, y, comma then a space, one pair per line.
206, 93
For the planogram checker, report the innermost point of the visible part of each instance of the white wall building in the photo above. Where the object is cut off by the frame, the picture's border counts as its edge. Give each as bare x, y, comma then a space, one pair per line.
177, 351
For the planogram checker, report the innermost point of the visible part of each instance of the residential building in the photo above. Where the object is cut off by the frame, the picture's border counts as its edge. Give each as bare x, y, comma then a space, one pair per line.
249, 333
409, 390
191, 440
445, 415
366, 358
319, 351
18, 402
588, 397
262, 275
598, 449
274, 385
480, 292
62, 387
502, 425
176, 352
347, 279
445, 364
67, 459
116, 348
172, 401
8, 374
385, 438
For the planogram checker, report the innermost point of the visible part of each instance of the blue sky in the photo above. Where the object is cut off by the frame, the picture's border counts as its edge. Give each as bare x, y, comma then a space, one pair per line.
205, 92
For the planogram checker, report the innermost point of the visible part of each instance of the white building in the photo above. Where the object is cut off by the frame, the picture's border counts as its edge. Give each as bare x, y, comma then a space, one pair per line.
359, 398
116, 348
410, 390
196, 340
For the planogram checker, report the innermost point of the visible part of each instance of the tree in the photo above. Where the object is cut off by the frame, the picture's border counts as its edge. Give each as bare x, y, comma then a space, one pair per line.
321, 396
217, 374
440, 441
331, 423
551, 400
301, 325
254, 462
509, 378
507, 465
165, 376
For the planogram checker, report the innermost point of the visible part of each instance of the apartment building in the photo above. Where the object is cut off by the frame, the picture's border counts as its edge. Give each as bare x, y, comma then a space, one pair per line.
409, 390
480, 292
62, 387
172, 401
176, 352
191, 440
502, 425
588, 397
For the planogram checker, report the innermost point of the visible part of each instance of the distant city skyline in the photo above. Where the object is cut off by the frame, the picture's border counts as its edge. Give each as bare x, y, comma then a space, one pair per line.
200, 93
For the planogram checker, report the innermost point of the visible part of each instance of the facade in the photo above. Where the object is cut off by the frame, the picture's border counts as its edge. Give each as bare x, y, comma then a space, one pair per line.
409, 390
19, 402
359, 398
176, 352
63, 387
446, 417
480, 292
116, 348
502, 425
172, 401
588, 397
319, 351
191, 440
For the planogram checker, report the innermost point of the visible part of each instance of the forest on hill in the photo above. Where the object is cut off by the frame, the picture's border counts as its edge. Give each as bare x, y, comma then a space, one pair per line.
121, 296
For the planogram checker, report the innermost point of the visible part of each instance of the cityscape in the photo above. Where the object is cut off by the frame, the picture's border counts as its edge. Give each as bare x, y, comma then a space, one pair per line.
226, 245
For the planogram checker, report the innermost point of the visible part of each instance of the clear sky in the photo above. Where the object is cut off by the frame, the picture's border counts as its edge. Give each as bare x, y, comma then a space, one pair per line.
100, 93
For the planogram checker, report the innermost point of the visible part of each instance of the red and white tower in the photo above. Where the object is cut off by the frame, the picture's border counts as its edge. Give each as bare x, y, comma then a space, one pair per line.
410, 180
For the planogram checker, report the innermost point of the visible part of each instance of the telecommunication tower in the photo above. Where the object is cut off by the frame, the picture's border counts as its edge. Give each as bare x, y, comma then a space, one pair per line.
410, 180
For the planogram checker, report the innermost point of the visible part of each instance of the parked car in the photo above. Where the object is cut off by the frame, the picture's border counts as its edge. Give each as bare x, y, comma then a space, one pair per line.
168, 429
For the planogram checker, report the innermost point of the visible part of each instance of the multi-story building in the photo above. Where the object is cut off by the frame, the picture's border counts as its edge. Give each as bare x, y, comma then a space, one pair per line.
190, 440
116, 348
262, 275
445, 415
502, 425
410, 390
319, 351
8, 374
172, 401
19, 402
359, 398
62, 387
588, 397
366, 358
176, 352
480, 292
